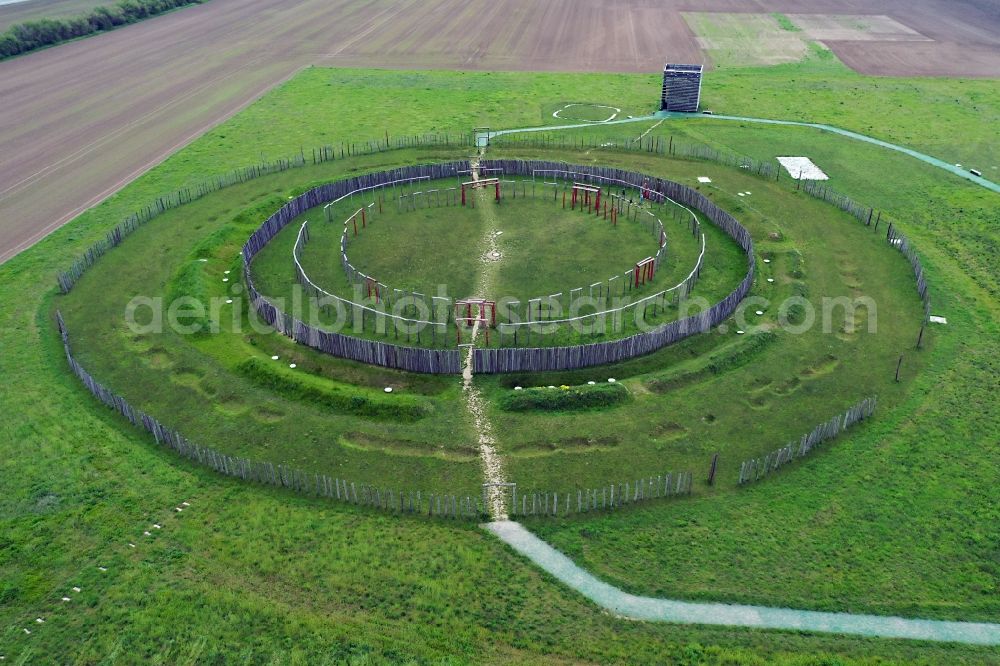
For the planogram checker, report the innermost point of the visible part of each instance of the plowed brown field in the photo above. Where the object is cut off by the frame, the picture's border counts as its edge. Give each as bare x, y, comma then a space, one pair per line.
80, 120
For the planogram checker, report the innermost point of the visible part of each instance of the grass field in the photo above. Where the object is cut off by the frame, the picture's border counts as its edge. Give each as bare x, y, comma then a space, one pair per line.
898, 516
544, 250
739, 40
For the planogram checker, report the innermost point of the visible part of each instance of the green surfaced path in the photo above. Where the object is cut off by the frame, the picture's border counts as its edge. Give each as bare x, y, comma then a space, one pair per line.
631, 606
483, 138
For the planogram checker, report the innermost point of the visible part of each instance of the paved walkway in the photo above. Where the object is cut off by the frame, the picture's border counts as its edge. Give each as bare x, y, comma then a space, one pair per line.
941, 164
635, 607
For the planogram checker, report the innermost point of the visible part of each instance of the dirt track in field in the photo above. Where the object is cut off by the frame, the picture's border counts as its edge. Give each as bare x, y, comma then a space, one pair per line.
79, 121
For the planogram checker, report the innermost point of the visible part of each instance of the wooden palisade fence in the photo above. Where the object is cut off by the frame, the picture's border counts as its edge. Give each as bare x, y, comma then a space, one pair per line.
185, 195
542, 359
441, 505
605, 498
763, 168
871, 217
445, 505
485, 360
438, 361
374, 352
656, 145
756, 469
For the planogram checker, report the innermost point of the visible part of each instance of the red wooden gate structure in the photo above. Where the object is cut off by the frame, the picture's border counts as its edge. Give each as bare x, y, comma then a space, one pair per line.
644, 271
470, 320
474, 184
587, 190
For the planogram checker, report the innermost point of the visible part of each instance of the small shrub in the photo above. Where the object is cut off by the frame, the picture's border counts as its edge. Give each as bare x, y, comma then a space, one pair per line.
564, 398
731, 358
398, 407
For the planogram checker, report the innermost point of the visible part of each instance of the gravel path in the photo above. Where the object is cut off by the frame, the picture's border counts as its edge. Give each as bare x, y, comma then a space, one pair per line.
489, 260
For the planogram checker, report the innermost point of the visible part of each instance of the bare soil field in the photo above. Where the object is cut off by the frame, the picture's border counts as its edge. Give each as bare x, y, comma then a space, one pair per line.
921, 39
81, 120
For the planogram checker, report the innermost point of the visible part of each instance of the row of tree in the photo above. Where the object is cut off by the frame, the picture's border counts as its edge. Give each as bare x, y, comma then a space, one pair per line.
31, 35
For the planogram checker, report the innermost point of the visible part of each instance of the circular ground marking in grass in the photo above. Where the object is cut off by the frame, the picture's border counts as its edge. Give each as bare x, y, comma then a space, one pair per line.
587, 113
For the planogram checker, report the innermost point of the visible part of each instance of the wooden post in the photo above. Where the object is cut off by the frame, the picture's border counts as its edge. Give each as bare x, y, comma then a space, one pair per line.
898, 365
711, 470
920, 336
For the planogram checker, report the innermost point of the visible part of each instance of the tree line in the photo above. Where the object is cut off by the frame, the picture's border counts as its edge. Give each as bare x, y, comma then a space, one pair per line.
30, 35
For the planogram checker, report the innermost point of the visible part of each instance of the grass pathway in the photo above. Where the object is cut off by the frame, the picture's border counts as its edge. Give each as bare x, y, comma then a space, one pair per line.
623, 604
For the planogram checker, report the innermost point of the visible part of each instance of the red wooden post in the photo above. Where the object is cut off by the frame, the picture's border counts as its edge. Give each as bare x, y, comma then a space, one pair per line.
637, 275
355, 220
564, 198
498, 190
597, 204
605, 209
573, 205
364, 222
493, 314
463, 195
468, 311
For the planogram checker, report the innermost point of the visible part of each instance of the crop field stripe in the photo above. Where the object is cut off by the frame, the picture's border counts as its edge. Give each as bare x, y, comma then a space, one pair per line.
623, 604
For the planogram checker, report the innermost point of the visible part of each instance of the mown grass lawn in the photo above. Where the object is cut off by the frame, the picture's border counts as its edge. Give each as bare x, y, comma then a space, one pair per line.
899, 516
